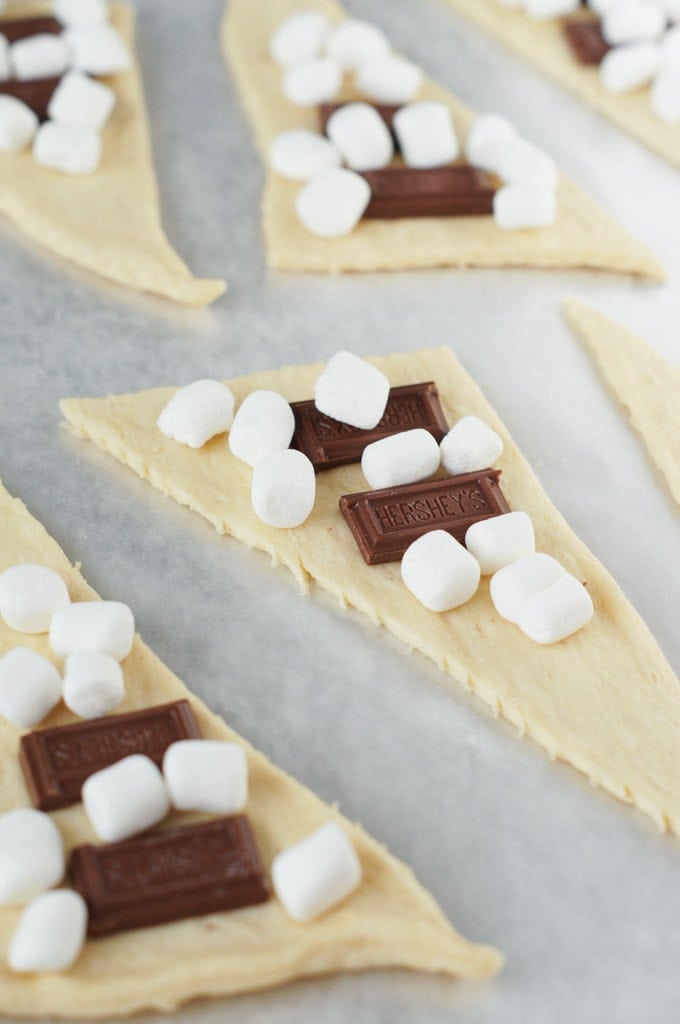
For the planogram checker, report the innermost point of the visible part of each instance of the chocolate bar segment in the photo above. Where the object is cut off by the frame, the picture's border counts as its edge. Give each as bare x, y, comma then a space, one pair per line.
456, 191
56, 762
329, 443
35, 93
170, 875
588, 44
14, 29
384, 523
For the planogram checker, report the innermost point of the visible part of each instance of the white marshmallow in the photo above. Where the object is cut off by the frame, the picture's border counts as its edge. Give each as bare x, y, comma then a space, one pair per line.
39, 56
400, 459
628, 67
523, 163
426, 135
600, 6
50, 933
488, 139
30, 686
299, 37
29, 597
31, 854
206, 775
470, 445
389, 79
354, 42
197, 412
81, 101
439, 571
556, 612
333, 202
501, 540
510, 588
97, 49
361, 135
351, 390
93, 684
298, 155
5, 62
263, 424
670, 49
283, 489
125, 798
632, 22
312, 82
516, 207
550, 8
63, 147
105, 626
664, 97
316, 873
80, 12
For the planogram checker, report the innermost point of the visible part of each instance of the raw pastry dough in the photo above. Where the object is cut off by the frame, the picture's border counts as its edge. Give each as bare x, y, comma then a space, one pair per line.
646, 384
543, 44
605, 700
109, 221
583, 235
389, 921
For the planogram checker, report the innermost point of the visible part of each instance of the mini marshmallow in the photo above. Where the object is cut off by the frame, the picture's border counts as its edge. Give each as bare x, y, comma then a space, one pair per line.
516, 207
510, 588
354, 42
501, 540
488, 139
556, 612
206, 775
352, 390
5, 62
30, 686
283, 489
333, 202
197, 412
105, 626
523, 163
316, 873
389, 79
50, 933
670, 48
29, 597
312, 82
81, 101
400, 459
39, 56
361, 136
299, 154
628, 67
80, 12
299, 37
63, 147
125, 798
426, 135
470, 445
545, 9
632, 22
31, 855
263, 424
93, 684
97, 49
664, 98
439, 571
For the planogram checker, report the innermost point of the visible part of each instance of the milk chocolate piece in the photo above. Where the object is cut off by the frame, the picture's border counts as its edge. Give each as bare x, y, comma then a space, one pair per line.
586, 40
329, 443
20, 28
456, 191
170, 875
56, 762
384, 523
35, 93
386, 111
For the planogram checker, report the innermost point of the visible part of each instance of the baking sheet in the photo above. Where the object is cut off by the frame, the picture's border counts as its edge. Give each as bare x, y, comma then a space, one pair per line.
581, 892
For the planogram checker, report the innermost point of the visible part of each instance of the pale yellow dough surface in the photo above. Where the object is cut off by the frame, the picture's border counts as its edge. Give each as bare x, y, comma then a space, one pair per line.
605, 699
646, 384
583, 235
389, 921
543, 44
108, 222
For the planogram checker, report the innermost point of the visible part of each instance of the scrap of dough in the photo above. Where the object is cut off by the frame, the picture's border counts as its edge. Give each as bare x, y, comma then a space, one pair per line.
110, 221
583, 235
646, 384
605, 699
542, 42
390, 921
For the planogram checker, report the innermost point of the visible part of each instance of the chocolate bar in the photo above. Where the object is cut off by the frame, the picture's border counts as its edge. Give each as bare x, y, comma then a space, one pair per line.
384, 523
14, 29
329, 443
586, 40
456, 191
169, 875
35, 93
56, 762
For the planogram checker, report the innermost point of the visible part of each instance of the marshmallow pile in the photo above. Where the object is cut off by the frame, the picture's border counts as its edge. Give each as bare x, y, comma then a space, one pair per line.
70, 140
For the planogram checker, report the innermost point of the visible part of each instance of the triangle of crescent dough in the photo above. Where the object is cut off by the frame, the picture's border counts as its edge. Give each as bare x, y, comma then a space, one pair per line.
543, 44
583, 235
605, 700
389, 921
645, 383
108, 222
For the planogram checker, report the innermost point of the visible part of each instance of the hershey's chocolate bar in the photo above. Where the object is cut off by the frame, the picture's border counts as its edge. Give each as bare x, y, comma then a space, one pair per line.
384, 523
456, 191
170, 875
20, 28
586, 40
329, 443
56, 762
36, 93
